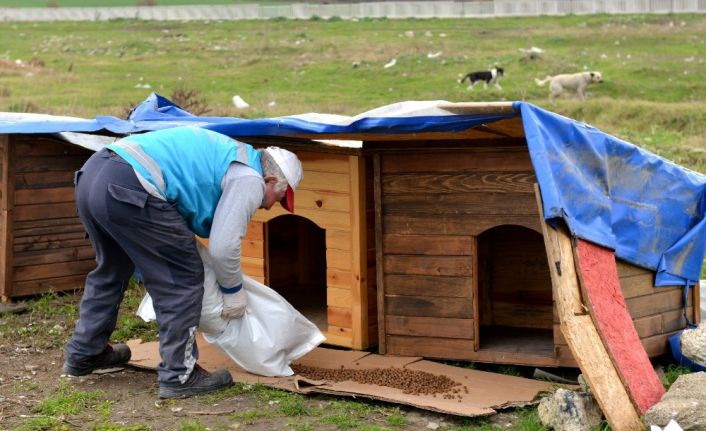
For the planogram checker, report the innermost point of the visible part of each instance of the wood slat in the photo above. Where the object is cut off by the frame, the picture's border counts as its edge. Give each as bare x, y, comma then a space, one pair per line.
657, 345
49, 163
6, 217
337, 339
35, 180
336, 297
379, 273
253, 266
53, 256
425, 285
460, 204
323, 162
252, 248
460, 182
674, 320
42, 223
316, 199
339, 259
440, 348
429, 306
69, 243
522, 315
50, 237
44, 196
54, 284
323, 219
338, 316
439, 245
667, 300
33, 145
342, 279
429, 327
255, 231
51, 270
359, 248
627, 269
469, 160
338, 239
76, 226
448, 224
454, 266
326, 181
45, 211
638, 285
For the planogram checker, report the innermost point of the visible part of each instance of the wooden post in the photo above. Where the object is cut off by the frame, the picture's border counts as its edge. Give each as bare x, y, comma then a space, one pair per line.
581, 334
7, 191
476, 297
359, 252
379, 270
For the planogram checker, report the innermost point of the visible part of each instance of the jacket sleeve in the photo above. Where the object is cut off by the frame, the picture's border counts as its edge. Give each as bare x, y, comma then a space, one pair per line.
243, 191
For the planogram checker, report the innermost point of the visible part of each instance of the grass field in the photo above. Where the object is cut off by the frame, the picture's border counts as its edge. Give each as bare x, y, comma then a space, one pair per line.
654, 93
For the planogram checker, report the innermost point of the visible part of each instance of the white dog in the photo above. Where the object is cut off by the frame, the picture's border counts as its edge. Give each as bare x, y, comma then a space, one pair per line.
576, 81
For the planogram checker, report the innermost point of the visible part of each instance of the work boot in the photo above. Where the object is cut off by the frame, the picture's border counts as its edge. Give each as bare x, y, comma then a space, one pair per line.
200, 382
116, 354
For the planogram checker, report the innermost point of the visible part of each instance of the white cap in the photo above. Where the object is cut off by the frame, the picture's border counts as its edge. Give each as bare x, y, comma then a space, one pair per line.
291, 168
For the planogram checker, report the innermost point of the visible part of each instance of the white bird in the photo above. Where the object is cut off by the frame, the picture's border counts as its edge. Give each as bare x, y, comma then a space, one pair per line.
390, 63
239, 102
434, 55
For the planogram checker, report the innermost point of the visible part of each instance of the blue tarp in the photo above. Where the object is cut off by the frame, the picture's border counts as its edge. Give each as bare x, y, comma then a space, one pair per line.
650, 211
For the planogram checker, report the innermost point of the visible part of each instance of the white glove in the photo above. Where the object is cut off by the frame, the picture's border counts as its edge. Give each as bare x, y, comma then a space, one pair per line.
234, 305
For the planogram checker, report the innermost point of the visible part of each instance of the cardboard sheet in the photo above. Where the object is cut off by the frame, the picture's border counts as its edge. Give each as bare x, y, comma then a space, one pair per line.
487, 392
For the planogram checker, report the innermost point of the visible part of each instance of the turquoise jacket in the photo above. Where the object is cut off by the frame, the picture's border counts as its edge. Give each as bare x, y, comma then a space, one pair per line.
186, 166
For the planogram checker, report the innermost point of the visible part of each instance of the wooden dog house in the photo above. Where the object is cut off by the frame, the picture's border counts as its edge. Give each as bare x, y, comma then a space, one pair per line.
423, 243
43, 246
456, 240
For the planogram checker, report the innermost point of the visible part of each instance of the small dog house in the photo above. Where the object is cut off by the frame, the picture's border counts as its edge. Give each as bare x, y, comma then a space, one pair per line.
461, 266
43, 244
419, 230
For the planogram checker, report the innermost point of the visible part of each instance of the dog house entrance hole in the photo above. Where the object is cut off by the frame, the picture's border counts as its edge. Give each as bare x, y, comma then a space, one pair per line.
296, 265
514, 292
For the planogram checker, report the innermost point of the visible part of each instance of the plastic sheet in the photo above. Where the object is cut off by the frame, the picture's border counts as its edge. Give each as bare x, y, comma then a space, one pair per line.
266, 340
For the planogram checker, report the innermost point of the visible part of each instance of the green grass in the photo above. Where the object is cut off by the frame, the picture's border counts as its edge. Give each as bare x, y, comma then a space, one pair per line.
528, 420
653, 94
68, 401
673, 371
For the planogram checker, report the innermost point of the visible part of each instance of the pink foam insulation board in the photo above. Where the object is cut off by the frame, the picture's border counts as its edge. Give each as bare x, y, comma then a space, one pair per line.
598, 274
485, 392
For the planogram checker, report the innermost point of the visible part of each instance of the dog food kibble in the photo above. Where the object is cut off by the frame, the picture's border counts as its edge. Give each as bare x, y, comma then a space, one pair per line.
409, 381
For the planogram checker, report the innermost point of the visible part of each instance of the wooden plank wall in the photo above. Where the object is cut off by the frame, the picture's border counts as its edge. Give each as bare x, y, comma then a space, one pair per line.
50, 251
433, 205
656, 311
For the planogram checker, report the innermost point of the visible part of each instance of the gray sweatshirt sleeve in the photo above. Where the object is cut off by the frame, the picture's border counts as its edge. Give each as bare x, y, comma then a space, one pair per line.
243, 191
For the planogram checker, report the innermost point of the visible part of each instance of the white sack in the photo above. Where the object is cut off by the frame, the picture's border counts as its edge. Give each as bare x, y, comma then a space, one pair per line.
266, 339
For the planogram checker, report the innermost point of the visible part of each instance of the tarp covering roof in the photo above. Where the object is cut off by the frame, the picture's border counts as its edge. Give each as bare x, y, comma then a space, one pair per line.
652, 212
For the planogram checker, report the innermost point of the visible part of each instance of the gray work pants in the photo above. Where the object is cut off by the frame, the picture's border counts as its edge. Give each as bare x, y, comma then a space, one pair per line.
131, 229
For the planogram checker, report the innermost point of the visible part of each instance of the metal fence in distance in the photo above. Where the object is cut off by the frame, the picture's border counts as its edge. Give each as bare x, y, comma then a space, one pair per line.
391, 10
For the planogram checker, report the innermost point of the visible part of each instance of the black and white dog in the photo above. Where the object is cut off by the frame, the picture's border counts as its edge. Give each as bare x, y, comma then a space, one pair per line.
491, 76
